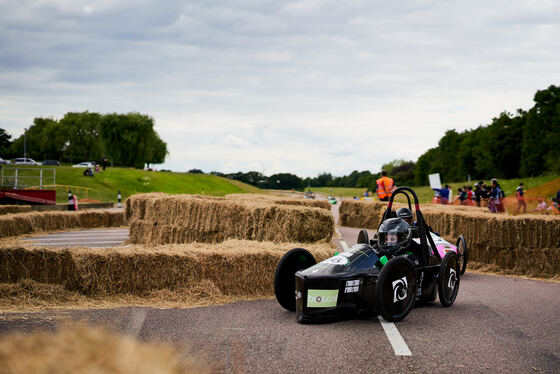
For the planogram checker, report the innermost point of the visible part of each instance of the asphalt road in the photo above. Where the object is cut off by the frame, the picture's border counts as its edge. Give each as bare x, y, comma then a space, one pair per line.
87, 238
497, 325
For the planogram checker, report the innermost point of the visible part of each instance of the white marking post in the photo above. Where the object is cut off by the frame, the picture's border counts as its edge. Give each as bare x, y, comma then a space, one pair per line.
395, 338
344, 245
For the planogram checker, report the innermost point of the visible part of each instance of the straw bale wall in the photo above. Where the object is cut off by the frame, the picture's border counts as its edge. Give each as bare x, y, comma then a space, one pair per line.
160, 218
27, 223
526, 244
240, 268
10, 209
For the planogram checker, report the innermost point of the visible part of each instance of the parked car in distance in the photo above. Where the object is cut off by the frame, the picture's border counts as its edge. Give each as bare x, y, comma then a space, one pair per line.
25, 161
51, 162
2, 161
85, 164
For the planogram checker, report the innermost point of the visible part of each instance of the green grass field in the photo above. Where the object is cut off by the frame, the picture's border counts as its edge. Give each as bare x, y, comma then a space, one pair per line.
105, 185
425, 193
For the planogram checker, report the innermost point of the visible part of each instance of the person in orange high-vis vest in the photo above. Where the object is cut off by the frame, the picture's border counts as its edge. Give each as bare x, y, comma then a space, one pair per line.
385, 186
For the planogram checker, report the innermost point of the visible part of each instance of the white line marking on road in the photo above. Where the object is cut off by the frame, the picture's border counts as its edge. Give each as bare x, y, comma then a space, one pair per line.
136, 322
337, 232
395, 338
344, 245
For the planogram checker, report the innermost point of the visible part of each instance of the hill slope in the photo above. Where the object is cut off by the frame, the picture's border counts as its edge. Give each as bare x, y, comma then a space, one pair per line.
105, 185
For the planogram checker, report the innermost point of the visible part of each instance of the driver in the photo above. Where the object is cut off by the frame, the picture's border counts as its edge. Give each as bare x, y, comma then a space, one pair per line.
394, 235
405, 214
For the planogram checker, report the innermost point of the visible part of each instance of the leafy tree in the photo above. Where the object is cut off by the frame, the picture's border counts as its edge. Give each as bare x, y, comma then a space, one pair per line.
130, 139
285, 181
541, 134
82, 137
5, 144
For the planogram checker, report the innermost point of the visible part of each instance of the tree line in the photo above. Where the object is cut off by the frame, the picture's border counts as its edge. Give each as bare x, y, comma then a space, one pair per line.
523, 144
124, 139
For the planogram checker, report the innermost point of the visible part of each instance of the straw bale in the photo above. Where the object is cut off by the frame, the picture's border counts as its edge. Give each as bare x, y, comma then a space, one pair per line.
159, 218
281, 199
361, 214
86, 349
10, 209
235, 267
26, 223
29, 293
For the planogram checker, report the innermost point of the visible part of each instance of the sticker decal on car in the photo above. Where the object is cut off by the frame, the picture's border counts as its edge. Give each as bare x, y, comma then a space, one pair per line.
321, 298
452, 278
337, 260
400, 289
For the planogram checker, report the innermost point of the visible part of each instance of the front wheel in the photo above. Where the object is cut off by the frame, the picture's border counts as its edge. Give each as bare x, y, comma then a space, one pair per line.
395, 290
284, 277
462, 251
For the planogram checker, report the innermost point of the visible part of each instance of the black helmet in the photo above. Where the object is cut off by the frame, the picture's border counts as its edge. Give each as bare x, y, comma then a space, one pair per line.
394, 234
405, 214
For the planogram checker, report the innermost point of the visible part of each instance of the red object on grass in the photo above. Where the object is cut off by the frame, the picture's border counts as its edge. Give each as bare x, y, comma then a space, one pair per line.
28, 196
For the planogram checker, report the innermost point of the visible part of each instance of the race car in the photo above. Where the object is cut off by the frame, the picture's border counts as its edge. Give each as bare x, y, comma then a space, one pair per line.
331, 200
309, 195
387, 275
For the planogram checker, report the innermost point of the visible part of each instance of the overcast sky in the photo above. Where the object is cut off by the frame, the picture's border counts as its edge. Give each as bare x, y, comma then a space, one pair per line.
279, 86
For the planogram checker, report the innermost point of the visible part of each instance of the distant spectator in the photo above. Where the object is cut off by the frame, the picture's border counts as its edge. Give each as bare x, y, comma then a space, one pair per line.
470, 196
542, 206
443, 194
556, 200
104, 163
88, 172
496, 198
484, 195
461, 196
385, 186
520, 198
477, 193
97, 170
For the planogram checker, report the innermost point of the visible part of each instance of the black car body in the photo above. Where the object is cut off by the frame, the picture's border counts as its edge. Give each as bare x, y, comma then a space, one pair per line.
366, 279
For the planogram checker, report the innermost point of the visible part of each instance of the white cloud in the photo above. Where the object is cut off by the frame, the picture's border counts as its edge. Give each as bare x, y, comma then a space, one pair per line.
299, 86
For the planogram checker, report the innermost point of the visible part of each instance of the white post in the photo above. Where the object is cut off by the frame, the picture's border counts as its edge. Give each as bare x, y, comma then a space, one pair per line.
15, 185
54, 176
41, 178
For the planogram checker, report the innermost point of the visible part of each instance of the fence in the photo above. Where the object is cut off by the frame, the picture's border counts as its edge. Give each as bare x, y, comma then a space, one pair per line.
26, 177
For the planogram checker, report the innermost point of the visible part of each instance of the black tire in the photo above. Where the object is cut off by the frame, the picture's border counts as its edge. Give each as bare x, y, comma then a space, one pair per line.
363, 237
284, 277
448, 279
463, 253
395, 290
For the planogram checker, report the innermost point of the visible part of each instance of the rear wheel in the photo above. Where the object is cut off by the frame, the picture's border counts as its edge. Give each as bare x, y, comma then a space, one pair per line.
363, 237
448, 279
463, 253
284, 277
395, 290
